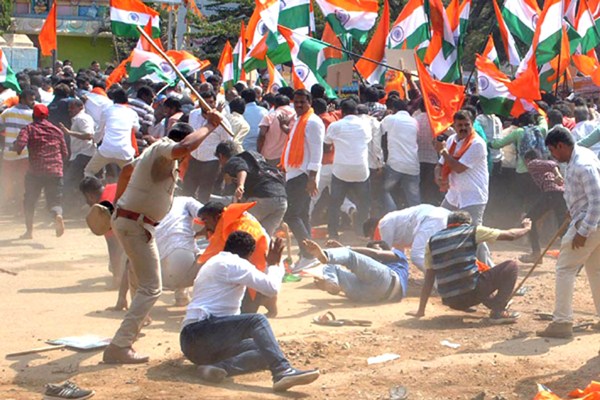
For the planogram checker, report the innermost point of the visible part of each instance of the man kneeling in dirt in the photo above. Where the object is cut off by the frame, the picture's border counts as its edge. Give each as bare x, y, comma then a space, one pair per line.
462, 282
377, 273
220, 340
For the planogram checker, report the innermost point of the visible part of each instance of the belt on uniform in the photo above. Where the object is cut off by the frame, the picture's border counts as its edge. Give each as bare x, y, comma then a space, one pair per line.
121, 212
395, 281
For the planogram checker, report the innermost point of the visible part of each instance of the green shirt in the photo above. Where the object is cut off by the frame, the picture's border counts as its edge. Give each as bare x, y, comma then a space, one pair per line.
515, 137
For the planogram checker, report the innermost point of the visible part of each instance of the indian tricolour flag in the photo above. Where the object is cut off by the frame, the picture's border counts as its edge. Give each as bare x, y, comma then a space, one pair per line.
510, 47
494, 96
550, 32
375, 73
143, 63
262, 42
276, 81
7, 76
411, 28
186, 62
585, 27
306, 52
295, 14
356, 17
127, 15
226, 66
490, 52
269, 13
521, 17
239, 53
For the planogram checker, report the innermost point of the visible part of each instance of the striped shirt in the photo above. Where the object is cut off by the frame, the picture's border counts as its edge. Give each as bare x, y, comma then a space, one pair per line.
582, 190
11, 122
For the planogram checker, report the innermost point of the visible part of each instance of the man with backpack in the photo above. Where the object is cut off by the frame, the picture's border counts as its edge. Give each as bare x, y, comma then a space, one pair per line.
256, 181
530, 135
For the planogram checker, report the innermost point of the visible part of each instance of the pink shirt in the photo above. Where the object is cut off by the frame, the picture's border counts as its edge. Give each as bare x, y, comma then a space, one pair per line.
275, 138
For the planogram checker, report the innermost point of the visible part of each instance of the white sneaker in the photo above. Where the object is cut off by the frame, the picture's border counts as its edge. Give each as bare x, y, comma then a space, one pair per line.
304, 263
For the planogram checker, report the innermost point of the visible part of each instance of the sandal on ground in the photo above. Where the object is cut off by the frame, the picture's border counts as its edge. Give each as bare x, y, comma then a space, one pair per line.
504, 317
329, 319
528, 258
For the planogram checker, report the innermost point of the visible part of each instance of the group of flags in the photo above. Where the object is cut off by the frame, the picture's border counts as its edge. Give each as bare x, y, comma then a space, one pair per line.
564, 32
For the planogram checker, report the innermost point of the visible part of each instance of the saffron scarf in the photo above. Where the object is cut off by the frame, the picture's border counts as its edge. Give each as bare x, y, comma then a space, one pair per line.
468, 142
296, 147
99, 91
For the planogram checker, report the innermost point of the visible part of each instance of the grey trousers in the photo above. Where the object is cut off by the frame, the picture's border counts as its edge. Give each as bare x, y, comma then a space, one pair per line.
269, 211
140, 246
476, 212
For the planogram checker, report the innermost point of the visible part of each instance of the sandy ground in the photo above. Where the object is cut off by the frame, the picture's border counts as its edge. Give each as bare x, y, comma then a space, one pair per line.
61, 290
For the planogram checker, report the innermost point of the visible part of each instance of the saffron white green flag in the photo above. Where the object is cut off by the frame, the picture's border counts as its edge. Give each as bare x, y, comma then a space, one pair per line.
276, 81
239, 52
307, 53
551, 30
127, 15
143, 63
356, 17
510, 47
585, 27
295, 14
494, 96
226, 66
411, 29
490, 52
521, 17
7, 76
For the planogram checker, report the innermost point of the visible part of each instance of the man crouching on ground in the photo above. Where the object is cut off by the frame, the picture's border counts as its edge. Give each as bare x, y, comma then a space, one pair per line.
463, 282
220, 340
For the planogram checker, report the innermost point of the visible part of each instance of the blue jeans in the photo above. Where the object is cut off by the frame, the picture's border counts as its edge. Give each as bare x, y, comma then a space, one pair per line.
368, 281
296, 215
238, 344
339, 190
409, 185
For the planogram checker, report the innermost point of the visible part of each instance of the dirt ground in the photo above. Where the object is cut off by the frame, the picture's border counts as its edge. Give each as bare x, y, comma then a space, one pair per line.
61, 290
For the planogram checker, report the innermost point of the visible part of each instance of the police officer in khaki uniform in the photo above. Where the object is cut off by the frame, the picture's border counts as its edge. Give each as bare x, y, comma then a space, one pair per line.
144, 196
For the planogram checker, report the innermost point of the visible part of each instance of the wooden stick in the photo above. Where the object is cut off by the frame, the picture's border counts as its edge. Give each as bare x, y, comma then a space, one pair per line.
38, 350
205, 107
539, 260
8, 272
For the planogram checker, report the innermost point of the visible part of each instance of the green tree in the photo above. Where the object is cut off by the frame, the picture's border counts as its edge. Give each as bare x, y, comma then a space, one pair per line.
6, 10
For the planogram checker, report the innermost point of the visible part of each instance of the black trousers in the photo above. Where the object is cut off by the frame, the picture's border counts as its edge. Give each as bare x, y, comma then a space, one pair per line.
53, 191
547, 202
200, 178
501, 279
430, 191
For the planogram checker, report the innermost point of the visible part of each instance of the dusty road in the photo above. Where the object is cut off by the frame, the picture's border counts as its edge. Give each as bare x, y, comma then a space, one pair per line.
60, 290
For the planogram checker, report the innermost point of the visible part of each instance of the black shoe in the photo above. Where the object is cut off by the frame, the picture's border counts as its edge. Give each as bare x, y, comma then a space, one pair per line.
67, 390
294, 377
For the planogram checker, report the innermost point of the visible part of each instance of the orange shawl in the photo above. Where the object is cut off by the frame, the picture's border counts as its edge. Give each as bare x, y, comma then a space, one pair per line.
296, 151
469, 141
235, 218
100, 91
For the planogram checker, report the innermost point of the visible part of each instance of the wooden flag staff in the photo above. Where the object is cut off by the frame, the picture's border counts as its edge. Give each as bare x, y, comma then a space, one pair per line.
205, 107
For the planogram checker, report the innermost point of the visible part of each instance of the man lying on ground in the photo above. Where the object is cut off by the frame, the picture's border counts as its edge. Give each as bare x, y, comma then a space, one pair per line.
376, 274
450, 261
411, 226
220, 340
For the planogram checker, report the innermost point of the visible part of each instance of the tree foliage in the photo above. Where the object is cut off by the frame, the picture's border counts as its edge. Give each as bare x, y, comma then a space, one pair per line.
6, 10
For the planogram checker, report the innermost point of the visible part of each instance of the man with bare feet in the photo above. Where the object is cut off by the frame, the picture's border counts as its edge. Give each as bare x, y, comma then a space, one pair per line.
376, 274
47, 151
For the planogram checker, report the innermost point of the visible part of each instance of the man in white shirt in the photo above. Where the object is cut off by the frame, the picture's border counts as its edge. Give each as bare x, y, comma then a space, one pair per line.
584, 126
462, 171
221, 341
203, 169
82, 143
350, 137
400, 132
376, 161
411, 226
301, 160
97, 101
117, 129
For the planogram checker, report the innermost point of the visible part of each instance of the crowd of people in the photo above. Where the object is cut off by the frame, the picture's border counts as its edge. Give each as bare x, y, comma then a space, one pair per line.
191, 200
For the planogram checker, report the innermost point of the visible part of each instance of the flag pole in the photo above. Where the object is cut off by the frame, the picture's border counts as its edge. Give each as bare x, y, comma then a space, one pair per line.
203, 104
362, 79
558, 70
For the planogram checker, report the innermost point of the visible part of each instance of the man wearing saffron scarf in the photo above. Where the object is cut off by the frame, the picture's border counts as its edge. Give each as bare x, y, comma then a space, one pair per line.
462, 172
97, 101
301, 160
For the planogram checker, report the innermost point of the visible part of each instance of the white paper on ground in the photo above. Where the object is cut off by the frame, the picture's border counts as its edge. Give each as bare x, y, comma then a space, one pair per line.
448, 344
382, 358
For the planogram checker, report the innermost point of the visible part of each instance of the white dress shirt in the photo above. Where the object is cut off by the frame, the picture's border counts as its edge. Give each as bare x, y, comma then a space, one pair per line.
313, 147
116, 126
221, 284
413, 227
175, 231
582, 129
470, 187
95, 106
350, 137
403, 151
375, 149
82, 123
206, 151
